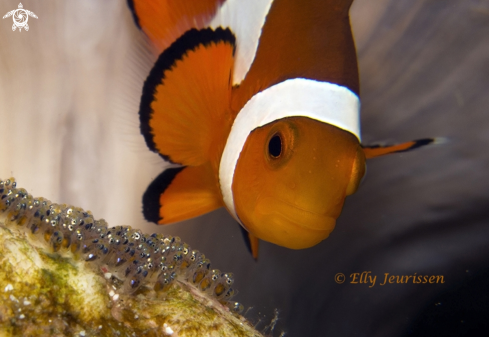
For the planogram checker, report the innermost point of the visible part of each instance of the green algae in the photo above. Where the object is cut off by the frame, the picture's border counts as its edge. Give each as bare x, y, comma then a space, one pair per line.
45, 294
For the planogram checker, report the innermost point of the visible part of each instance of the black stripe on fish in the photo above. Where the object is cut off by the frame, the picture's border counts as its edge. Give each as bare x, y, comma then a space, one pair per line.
130, 4
151, 198
189, 41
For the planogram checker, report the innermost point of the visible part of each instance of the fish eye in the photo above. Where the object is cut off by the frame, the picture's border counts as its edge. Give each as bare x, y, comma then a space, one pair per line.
275, 146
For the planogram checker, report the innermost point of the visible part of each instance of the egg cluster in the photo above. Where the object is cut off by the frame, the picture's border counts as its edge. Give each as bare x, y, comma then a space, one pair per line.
128, 258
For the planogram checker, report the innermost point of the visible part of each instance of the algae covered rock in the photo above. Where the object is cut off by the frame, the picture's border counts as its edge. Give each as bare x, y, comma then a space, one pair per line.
63, 273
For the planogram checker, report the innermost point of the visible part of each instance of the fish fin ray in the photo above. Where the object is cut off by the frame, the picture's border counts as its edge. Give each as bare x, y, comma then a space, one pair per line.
373, 151
184, 107
251, 242
163, 21
181, 193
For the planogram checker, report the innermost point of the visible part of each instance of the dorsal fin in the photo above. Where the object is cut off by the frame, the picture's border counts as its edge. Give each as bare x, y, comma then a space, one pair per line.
164, 21
184, 110
312, 41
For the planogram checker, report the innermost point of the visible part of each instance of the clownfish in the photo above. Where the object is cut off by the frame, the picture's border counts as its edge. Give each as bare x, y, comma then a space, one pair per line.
258, 101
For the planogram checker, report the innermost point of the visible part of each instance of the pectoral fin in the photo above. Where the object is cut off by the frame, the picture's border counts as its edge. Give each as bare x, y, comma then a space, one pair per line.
380, 150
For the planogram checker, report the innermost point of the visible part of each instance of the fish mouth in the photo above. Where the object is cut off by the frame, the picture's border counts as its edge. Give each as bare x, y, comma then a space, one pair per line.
299, 216
291, 226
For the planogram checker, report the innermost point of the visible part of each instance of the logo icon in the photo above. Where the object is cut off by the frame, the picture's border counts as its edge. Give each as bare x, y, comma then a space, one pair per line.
20, 16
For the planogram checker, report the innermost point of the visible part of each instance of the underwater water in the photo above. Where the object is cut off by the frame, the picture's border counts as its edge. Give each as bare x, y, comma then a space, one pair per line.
69, 93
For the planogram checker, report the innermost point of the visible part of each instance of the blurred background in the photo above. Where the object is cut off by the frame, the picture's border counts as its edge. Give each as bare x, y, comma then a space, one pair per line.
69, 96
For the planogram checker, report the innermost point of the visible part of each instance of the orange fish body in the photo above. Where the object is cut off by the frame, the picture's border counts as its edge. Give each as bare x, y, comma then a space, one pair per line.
258, 101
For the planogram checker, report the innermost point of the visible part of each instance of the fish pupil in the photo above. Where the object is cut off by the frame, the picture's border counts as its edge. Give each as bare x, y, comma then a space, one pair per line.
275, 146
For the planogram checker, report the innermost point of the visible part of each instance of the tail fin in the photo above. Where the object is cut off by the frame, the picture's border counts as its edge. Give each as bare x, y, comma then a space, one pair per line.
380, 150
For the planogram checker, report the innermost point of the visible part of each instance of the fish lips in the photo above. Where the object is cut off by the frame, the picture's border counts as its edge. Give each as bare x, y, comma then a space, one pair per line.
289, 225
